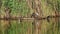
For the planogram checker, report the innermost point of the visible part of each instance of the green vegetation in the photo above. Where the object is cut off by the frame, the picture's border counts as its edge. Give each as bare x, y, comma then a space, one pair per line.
20, 7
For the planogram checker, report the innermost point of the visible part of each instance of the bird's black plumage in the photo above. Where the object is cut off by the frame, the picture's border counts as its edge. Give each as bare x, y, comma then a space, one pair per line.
48, 18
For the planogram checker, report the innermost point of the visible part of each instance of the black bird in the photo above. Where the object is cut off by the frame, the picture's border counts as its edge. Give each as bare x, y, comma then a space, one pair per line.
48, 18
34, 15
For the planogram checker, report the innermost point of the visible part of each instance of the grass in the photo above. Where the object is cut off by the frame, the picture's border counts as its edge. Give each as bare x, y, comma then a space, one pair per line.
17, 8
21, 8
